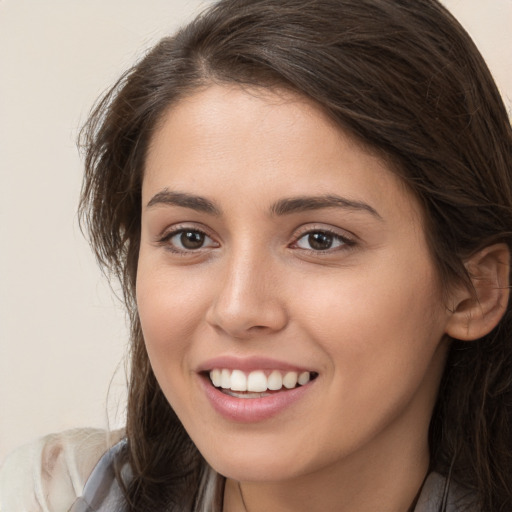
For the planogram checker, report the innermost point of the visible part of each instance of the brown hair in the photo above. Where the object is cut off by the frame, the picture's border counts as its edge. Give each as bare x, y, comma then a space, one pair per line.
404, 78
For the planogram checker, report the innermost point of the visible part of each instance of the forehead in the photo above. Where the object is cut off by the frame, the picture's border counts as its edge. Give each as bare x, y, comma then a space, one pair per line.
250, 140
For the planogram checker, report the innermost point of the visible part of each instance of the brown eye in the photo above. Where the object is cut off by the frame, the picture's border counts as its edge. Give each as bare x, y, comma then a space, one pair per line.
321, 241
191, 239
184, 240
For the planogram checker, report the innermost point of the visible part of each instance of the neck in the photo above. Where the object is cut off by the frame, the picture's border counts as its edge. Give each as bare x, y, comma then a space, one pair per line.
384, 473
388, 482
312, 494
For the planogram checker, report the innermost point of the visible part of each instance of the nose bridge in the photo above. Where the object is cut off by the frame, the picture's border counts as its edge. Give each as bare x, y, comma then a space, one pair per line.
247, 299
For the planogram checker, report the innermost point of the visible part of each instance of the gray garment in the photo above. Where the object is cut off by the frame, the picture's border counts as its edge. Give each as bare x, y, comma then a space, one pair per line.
103, 494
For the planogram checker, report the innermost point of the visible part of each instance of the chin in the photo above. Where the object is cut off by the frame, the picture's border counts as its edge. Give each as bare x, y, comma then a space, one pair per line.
258, 462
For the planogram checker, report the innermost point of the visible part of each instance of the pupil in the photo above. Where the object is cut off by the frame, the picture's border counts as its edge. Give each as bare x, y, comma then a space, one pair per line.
192, 239
320, 241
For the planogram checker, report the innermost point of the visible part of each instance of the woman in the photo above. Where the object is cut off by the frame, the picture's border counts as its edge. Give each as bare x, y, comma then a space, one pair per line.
308, 204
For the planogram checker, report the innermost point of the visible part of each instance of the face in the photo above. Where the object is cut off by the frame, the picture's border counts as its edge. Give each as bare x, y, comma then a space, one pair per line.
290, 308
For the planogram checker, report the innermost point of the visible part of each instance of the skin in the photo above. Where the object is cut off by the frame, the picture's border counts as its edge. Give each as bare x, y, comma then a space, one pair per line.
367, 314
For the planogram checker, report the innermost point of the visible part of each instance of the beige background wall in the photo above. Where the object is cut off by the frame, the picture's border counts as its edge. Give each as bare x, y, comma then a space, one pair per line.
62, 336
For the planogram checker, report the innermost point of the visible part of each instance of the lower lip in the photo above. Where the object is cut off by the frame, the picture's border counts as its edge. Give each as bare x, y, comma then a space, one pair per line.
251, 410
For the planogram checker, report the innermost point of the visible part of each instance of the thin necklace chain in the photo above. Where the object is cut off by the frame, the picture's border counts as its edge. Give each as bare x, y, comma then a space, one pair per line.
242, 497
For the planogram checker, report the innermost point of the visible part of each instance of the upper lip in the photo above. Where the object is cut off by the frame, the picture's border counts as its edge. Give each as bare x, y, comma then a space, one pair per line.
248, 364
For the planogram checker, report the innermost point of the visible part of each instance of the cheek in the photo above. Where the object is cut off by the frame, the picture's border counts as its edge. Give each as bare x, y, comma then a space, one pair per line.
169, 300
359, 301
170, 308
376, 325
383, 356
169, 314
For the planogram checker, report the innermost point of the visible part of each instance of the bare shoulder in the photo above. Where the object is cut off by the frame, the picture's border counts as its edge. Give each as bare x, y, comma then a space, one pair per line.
49, 473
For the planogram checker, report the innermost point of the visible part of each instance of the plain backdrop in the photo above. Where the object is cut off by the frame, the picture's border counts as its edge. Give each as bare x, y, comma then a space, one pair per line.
62, 333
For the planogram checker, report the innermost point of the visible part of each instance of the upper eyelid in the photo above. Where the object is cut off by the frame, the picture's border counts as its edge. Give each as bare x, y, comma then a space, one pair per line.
165, 241
312, 228
345, 242
348, 241
172, 230
173, 233
296, 234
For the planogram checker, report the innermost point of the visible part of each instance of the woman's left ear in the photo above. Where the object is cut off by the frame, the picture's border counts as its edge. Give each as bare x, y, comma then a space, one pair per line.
477, 311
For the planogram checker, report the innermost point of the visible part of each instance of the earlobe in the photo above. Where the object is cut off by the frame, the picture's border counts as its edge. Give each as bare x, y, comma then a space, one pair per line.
477, 311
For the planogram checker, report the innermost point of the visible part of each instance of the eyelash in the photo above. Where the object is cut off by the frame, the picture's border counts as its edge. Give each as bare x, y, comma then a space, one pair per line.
165, 240
344, 241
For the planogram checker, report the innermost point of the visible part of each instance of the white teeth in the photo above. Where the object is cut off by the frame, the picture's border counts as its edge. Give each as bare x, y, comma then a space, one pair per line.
275, 381
256, 381
225, 381
238, 381
216, 377
304, 378
290, 380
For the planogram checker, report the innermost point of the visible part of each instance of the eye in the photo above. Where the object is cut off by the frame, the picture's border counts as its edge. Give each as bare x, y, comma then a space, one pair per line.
321, 240
184, 240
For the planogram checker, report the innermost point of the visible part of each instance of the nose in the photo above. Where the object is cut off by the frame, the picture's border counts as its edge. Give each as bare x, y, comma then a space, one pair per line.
249, 300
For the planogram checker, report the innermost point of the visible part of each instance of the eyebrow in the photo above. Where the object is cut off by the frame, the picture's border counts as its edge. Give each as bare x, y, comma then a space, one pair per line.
282, 207
306, 203
198, 203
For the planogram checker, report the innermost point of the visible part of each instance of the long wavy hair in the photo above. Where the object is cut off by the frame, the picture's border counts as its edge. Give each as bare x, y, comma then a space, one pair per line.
404, 78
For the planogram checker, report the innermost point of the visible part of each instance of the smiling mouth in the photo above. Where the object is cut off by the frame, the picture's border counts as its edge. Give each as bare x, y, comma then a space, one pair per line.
257, 383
